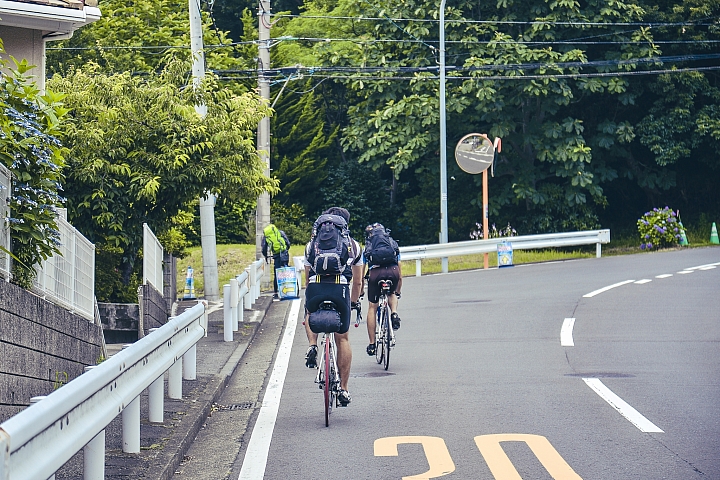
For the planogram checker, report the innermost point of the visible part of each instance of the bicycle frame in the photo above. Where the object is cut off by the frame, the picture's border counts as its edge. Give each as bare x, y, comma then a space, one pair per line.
331, 387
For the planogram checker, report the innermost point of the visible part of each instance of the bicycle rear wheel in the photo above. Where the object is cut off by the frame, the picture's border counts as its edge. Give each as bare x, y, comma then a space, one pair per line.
327, 379
387, 339
379, 336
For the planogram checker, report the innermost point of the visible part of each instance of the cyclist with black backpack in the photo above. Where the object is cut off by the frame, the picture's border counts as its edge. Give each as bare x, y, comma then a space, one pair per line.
278, 245
382, 256
333, 272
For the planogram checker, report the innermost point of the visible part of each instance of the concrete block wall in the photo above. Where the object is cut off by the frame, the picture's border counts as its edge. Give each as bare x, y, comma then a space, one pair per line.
154, 310
42, 347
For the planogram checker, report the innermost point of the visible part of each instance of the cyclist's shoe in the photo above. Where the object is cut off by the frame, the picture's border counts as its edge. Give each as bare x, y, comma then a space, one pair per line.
311, 357
344, 398
371, 349
395, 319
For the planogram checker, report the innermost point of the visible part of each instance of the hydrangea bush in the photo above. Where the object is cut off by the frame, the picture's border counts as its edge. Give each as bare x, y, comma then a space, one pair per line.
659, 228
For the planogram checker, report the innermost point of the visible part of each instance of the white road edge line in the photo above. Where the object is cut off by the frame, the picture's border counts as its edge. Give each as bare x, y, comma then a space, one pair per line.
700, 267
605, 289
632, 415
566, 337
643, 281
255, 461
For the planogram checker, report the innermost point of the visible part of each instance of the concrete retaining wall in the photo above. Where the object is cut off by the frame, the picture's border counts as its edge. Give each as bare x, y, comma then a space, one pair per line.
42, 347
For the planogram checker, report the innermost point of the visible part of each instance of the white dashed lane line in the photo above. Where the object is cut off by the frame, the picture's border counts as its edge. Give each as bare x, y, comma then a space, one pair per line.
664, 275
566, 338
627, 411
644, 280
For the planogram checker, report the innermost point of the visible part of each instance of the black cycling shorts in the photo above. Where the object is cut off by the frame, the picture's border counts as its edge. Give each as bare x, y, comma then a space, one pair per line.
390, 272
338, 293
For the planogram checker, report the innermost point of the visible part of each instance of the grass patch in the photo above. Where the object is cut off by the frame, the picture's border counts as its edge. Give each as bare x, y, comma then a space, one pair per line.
232, 260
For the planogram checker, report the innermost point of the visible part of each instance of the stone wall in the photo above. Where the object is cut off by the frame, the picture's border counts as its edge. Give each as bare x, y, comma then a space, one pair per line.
120, 321
153, 309
42, 347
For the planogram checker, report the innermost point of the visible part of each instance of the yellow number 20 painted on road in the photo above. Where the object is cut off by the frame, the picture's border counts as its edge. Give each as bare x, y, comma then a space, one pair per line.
441, 463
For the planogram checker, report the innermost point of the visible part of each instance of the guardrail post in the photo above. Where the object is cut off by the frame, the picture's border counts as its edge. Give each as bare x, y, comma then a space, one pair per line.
598, 250
175, 380
227, 319
253, 273
131, 427
156, 400
156, 397
94, 458
189, 363
248, 295
418, 267
234, 291
241, 302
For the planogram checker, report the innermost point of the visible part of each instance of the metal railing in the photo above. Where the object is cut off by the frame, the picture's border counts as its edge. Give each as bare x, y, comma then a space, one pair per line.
5, 185
40, 439
240, 293
68, 279
152, 259
526, 242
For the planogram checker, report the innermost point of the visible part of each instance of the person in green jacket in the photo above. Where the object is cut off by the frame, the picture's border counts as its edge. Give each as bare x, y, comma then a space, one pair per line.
276, 245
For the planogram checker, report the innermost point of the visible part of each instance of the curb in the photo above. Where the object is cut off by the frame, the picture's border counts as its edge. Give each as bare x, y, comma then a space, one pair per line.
198, 413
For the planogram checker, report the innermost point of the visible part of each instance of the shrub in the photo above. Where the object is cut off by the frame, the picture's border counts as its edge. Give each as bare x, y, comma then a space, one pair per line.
493, 232
29, 148
659, 228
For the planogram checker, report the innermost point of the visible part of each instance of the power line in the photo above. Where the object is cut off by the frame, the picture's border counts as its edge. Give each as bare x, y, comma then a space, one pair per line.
505, 22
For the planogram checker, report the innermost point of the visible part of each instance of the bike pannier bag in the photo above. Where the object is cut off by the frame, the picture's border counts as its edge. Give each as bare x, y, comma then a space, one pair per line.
325, 321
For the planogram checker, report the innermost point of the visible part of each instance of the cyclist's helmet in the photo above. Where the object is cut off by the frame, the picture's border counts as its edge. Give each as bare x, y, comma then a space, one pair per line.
369, 229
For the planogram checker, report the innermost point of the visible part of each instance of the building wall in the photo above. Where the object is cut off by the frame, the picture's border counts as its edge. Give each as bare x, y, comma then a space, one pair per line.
42, 347
23, 43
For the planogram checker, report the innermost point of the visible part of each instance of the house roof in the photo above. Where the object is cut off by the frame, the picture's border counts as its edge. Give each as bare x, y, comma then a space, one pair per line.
59, 16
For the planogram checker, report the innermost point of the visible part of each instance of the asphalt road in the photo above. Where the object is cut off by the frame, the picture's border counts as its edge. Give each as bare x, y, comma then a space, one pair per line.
532, 372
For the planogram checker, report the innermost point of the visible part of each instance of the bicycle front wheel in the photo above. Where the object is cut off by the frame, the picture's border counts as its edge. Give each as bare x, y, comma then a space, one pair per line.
327, 382
388, 336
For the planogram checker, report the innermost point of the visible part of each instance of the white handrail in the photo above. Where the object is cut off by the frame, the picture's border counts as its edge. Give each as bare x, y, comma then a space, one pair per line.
240, 293
40, 439
525, 242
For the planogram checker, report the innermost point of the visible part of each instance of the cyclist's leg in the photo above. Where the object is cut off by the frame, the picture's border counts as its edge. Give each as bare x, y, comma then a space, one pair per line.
312, 291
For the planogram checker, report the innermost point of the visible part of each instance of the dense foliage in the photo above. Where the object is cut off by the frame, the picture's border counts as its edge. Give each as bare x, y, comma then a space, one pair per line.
140, 153
29, 148
605, 108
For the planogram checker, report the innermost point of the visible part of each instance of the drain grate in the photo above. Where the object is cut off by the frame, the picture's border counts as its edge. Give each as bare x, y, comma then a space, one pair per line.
237, 406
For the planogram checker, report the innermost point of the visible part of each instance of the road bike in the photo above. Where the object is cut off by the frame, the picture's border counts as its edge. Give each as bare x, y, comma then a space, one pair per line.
384, 334
328, 376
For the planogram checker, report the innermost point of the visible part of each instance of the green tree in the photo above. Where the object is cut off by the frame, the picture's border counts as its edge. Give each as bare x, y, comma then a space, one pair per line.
139, 153
30, 123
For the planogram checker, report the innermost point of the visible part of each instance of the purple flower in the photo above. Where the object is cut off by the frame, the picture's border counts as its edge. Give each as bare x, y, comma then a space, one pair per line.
676, 229
647, 236
649, 245
642, 246
673, 214
645, 222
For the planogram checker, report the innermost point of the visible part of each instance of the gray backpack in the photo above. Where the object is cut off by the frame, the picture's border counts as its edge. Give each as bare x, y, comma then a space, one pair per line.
329, 246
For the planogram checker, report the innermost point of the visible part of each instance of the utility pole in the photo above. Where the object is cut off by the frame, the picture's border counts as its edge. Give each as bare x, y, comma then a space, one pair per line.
263, 133
443, 141
207, 202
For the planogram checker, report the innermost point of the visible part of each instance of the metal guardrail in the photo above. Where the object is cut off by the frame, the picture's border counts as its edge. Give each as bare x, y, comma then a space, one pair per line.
5, 185
40, 439
240, 293
152, 259
68, 279
526, 242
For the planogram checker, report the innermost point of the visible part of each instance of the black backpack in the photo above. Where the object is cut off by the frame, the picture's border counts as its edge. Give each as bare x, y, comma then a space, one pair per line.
381, 249
329, 249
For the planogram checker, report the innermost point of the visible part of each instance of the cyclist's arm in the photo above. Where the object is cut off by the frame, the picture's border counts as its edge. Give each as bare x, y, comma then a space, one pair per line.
357, 282
398, 289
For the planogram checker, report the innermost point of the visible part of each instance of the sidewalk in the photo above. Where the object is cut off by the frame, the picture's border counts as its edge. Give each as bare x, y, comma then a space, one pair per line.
163, 446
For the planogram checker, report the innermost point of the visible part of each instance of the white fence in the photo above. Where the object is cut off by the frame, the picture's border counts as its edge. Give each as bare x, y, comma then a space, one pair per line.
526, 242
152, 259
68, 279
40, 439
5, 185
